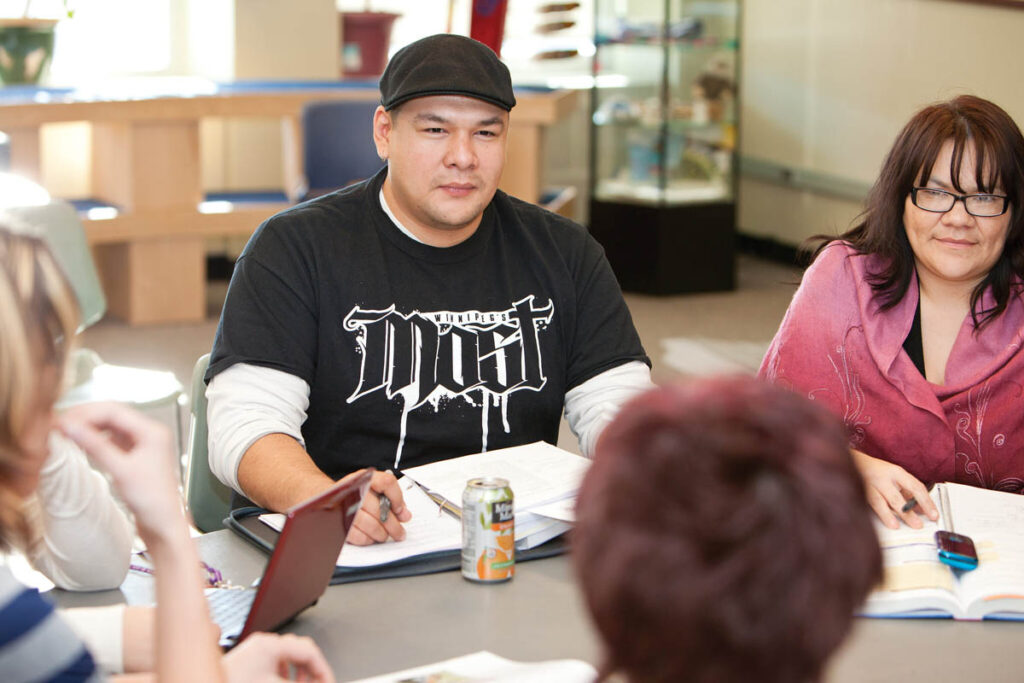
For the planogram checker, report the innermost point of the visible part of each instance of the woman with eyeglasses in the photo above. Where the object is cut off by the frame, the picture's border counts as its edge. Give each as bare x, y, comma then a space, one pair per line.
910, 326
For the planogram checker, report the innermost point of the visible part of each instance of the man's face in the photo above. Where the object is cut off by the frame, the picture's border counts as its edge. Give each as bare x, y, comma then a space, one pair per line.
445, 155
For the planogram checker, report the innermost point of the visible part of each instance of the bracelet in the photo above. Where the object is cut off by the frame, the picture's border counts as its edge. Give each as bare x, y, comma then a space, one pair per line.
214, 579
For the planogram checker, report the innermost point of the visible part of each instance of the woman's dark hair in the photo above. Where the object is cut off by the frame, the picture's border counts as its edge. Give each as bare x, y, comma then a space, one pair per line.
722, 535
971, 123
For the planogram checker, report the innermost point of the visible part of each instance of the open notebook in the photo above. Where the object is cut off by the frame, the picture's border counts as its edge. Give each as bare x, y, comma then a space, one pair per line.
544, 480
916, 584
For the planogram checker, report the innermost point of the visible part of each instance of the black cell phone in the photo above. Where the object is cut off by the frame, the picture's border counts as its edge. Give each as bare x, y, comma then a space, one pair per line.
956, 550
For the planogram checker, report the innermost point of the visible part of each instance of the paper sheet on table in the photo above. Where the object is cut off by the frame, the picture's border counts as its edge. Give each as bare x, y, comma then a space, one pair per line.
426, 532
484, 666
563, 510
538, 473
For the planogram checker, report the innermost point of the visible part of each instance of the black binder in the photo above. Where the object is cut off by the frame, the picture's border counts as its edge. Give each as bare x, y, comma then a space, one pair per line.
245, 522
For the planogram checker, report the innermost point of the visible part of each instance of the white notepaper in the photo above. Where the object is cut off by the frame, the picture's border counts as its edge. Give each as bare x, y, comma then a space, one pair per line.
426, 532
484, 666
538, 473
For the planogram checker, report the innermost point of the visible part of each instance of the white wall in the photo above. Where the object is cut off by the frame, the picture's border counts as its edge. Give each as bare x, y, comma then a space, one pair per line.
827, 84
273, 40
216, 39
825, 87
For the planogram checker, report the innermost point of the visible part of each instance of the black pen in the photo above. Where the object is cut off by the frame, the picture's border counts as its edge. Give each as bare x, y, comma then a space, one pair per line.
909, 505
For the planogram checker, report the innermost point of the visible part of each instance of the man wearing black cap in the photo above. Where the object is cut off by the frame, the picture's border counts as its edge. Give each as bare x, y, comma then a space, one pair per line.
420, 315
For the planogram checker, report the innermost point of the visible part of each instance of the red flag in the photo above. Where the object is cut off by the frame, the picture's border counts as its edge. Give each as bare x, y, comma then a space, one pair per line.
488, 23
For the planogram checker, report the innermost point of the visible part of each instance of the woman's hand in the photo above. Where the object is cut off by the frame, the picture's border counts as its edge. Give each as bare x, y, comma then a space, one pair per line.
889, 487
137, 453
265, 658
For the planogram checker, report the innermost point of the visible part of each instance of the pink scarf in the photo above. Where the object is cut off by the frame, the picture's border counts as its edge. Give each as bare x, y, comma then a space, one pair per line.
837, 347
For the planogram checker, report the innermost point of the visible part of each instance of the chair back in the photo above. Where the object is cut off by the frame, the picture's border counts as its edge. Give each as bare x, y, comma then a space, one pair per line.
58, 223
337, 142
206, 498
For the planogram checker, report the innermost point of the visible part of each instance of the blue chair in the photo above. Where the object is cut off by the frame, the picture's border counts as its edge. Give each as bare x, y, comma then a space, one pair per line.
337, 144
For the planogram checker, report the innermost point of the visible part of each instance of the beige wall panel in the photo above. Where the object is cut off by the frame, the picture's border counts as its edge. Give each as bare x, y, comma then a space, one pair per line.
791, 216
294, 39
772, 90
154, 281
565, 157
112, 179
165, 165
66, 149
168, 281
252, 155
212, 142
147, 165
305, 39
522, 175
827, 84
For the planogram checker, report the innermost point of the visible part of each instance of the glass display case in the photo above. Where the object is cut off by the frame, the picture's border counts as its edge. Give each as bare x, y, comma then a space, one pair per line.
663, 142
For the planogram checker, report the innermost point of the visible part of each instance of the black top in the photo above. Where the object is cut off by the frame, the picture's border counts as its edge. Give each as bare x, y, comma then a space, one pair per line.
416, 353
913, 344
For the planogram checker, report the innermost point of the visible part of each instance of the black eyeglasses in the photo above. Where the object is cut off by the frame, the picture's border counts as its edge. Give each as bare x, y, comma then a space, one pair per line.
940, 201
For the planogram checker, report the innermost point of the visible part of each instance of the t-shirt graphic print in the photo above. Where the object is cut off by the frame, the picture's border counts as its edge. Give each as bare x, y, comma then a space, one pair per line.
433, 357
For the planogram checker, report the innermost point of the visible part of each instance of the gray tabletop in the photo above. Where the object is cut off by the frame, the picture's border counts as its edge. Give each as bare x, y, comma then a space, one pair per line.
375, 627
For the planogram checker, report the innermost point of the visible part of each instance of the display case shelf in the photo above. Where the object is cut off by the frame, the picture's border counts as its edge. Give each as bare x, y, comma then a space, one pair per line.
663, 163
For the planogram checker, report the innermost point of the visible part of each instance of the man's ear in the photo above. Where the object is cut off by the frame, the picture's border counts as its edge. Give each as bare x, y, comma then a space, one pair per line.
382, 127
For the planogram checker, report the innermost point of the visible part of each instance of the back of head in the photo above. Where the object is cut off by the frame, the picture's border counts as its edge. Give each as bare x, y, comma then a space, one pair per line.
723, 530
38, 318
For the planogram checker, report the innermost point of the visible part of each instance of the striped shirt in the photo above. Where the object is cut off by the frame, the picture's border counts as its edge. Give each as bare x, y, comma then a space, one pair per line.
35, 645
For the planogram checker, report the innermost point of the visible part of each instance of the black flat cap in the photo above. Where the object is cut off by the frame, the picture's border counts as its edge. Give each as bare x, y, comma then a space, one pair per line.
446, 64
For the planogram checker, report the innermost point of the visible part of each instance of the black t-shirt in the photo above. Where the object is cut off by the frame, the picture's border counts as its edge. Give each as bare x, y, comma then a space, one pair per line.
416, 353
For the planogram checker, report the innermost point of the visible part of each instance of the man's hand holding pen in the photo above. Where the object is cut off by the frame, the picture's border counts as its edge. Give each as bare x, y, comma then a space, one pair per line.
377, 520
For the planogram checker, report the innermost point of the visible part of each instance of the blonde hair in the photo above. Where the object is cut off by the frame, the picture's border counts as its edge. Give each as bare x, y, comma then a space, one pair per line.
38, 318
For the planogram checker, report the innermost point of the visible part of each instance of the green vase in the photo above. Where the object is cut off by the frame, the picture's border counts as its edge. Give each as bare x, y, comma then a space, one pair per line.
25, 52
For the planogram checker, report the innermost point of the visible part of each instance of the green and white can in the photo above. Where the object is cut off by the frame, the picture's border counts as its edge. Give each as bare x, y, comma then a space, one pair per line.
488, 531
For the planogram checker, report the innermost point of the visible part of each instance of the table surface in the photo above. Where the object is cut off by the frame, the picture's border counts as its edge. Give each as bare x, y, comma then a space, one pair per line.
375, 627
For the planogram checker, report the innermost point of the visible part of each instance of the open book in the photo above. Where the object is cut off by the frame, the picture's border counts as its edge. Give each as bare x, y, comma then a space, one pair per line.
916, 584
485, 666
544, 481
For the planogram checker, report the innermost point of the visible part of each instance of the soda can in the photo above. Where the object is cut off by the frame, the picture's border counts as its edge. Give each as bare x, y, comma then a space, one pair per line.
488, 531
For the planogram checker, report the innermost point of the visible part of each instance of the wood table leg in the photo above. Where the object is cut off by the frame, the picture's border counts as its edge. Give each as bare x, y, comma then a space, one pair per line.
522, 176
150, 169
25, 152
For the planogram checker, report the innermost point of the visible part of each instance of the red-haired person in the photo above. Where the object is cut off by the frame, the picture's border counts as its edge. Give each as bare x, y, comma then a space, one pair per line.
910, 326
38, 319
723, 535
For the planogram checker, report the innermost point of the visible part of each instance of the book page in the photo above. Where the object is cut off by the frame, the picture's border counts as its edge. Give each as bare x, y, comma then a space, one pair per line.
912, 577
995, 522
484, 666
538, 473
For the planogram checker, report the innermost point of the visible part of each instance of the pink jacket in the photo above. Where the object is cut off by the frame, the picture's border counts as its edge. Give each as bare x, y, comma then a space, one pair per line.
837, 347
